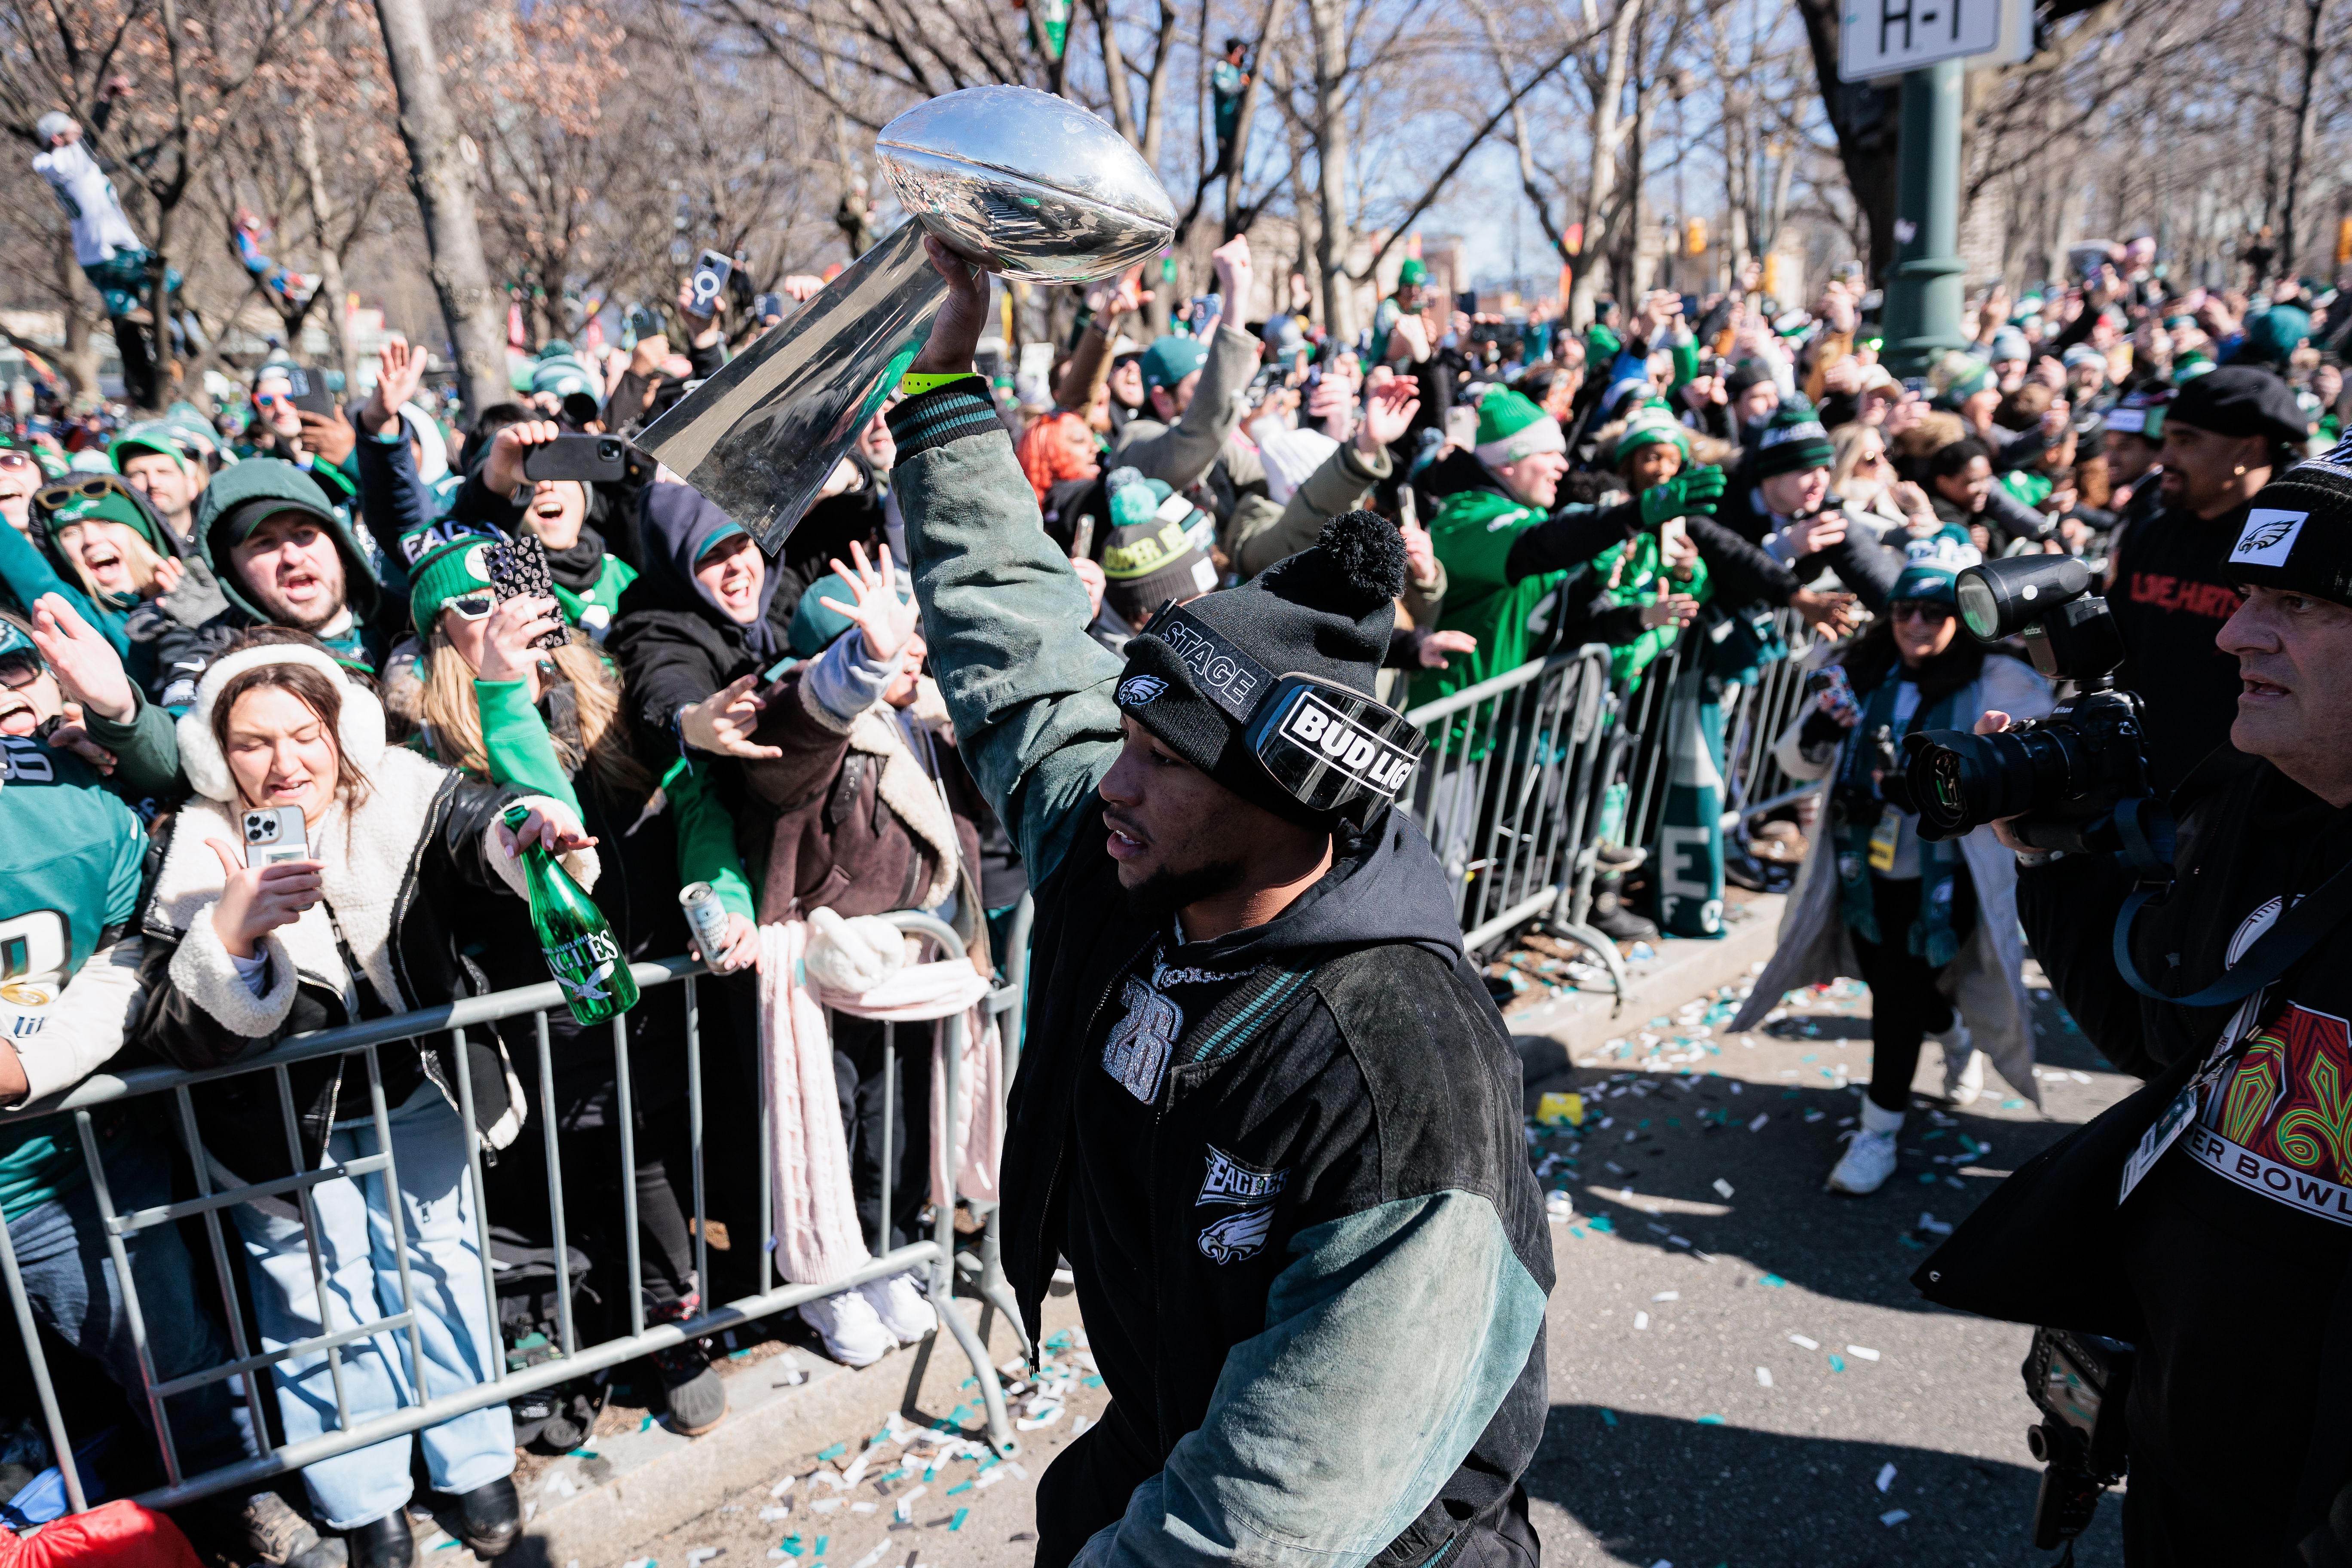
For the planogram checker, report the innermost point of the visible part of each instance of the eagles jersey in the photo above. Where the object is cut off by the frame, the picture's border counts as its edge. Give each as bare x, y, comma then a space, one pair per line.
70, 856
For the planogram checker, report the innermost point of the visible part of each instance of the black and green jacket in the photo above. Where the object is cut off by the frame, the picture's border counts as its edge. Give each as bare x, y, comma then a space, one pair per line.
1314, 1279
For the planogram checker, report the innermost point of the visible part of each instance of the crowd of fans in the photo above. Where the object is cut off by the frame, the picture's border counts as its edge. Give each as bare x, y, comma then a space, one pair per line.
306, 604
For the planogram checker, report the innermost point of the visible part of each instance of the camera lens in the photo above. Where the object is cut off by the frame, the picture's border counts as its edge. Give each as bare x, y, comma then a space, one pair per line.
1961, 782
1978, 609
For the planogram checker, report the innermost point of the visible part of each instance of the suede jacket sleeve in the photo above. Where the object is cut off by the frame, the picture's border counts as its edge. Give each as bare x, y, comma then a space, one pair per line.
1180, 454
813, 742
1005, 618
1088, 371
1339, 484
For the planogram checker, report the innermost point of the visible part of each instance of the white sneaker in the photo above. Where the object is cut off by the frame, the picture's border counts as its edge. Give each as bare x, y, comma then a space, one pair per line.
852, 1331
901, 1307
1963, 1065
1868, 1161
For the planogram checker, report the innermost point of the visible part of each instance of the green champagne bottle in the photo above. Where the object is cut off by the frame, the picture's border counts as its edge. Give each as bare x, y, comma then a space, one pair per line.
581, 951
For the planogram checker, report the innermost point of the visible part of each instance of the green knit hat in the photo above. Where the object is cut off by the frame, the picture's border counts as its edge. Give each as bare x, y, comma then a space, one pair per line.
1413, 273
1647, 427
451, 571
1511, 426
1793, 440
1958, 377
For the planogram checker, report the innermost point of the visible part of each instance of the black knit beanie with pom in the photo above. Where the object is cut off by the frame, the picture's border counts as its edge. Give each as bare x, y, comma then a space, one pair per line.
1195, 677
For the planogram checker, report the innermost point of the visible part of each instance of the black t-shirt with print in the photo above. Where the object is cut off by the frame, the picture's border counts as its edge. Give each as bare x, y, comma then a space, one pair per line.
2237, 1242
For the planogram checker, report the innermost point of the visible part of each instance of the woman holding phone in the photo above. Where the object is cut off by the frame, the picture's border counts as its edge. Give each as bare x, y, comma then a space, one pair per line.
486, 700
243, 952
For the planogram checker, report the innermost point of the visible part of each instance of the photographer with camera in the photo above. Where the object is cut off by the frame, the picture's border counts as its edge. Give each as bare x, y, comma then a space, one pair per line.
1928, 924
2225, 434
2206, 1222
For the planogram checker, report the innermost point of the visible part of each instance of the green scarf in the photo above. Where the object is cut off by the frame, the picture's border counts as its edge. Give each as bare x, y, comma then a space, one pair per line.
1930, 936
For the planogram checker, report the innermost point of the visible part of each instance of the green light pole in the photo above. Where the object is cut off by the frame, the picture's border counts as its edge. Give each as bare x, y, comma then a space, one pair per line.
1923, 295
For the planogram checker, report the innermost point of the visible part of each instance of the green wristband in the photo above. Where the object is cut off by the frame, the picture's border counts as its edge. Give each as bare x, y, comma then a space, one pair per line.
917, 381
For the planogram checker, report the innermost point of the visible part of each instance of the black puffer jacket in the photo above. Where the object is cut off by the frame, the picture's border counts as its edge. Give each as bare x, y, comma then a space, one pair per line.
416, 850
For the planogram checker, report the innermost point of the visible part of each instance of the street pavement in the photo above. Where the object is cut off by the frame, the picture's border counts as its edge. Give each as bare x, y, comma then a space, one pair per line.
1735, 1368
1739, 1378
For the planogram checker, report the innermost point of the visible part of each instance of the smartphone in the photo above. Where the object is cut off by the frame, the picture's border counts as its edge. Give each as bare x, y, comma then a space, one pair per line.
768, 305
590, 459
1082, 543
643, 323
710, 275
519, 567
307, 395
275, 834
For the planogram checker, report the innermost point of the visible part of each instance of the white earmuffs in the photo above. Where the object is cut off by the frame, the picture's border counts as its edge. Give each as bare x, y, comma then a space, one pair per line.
358, 733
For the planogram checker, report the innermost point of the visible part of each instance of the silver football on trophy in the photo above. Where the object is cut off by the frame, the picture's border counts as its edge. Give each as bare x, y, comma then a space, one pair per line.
1026, 183
1022, 182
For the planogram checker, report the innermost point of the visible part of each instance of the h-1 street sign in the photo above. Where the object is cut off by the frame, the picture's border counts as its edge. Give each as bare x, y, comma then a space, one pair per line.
1887, 37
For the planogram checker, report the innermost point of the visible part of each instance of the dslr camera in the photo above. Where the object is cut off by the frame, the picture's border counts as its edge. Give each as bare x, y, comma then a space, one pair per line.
2076, 780
2082, 1383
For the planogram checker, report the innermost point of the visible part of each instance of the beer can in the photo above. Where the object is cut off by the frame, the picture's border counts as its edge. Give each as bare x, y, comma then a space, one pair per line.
706, 917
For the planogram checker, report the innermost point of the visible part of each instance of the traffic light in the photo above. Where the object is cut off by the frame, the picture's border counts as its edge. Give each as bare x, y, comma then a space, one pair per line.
1694, 242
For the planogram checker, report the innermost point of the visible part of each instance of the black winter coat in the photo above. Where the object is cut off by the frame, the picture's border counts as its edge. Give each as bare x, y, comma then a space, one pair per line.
2222, 1266
419, 850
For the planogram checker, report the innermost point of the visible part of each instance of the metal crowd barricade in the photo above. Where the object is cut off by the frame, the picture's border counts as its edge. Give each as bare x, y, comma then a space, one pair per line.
936, 1255
1510, 793
1753, 783
1505, 796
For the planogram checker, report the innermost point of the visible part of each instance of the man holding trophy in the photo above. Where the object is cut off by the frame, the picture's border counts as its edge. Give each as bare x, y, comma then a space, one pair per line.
1264, 1108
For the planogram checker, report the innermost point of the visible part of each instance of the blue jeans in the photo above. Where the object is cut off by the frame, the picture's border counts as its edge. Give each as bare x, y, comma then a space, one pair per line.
362, 1280
77, 1294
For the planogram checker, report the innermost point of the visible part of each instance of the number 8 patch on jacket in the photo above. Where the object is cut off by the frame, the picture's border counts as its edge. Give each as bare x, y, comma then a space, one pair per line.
1228, 1182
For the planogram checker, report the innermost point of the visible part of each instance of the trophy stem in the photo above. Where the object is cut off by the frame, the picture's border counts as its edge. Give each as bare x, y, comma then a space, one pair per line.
760, 437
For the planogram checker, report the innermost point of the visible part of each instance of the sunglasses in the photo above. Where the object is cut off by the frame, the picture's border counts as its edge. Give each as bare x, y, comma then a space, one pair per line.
51, 497
19, 669
1926, 610
472, 606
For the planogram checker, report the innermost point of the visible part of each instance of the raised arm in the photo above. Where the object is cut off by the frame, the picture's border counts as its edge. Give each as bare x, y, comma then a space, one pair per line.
1004, 613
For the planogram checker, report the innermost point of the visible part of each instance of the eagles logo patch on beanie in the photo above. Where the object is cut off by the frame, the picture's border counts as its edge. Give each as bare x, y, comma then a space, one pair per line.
2269, 537
2298, 532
